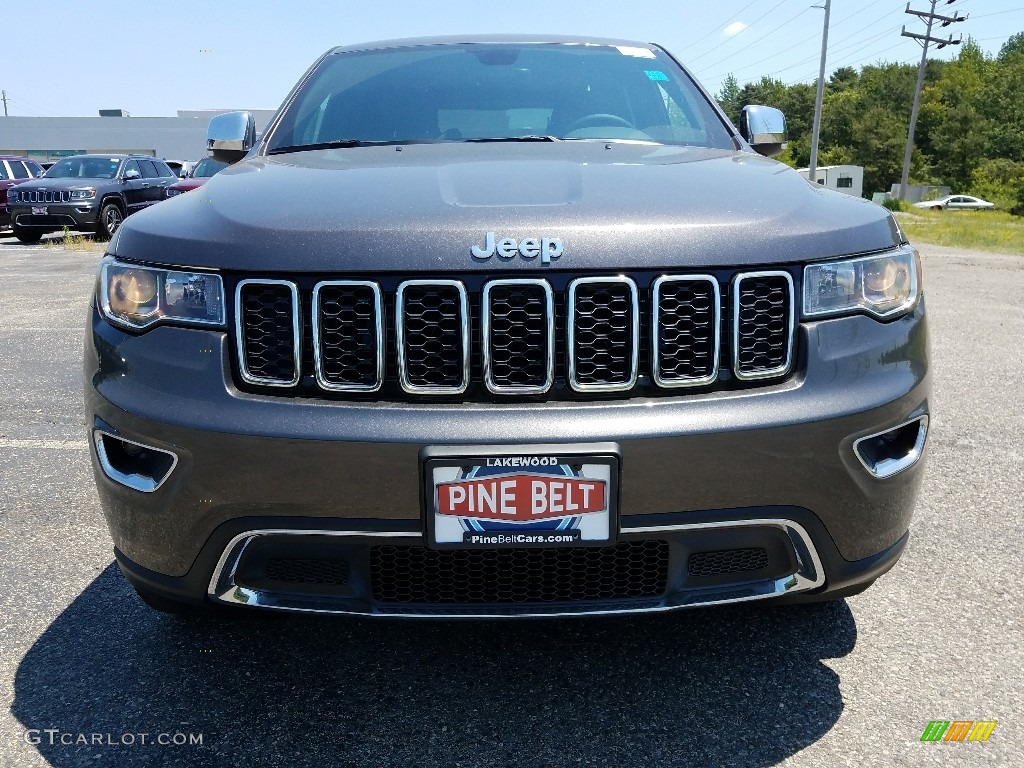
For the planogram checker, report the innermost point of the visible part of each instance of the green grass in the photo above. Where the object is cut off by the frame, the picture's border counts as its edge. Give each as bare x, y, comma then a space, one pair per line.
983, 230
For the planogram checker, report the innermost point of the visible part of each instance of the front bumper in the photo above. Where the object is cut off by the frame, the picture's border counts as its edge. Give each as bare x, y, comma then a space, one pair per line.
81, 216
248, 462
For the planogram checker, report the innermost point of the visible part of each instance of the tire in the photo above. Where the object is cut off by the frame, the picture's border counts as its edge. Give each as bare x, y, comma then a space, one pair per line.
110, 219
27, 236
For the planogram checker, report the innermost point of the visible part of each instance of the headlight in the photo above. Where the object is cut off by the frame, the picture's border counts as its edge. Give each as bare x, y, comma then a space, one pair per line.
173, 192
83, 194
882, 286
136, 297
12, 195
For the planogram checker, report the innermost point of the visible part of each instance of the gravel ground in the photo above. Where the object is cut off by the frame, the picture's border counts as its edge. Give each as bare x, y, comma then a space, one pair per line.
852, 683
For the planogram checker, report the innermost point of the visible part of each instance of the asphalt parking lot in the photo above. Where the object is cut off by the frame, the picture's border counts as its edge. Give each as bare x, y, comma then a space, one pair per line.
852, 683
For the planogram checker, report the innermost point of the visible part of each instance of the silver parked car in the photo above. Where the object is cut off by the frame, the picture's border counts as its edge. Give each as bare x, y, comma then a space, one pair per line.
957, 203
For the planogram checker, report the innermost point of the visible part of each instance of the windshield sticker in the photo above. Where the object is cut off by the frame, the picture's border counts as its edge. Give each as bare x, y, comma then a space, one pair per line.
640, 53
655, 74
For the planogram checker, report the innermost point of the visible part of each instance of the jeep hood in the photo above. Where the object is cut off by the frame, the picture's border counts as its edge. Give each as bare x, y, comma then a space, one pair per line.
421, 207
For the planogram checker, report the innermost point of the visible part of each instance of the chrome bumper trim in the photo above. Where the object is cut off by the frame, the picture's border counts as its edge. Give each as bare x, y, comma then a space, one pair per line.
809, 575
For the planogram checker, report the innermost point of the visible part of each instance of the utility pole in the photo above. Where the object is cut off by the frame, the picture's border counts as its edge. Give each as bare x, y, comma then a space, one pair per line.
812, 171
5, 102
930, 17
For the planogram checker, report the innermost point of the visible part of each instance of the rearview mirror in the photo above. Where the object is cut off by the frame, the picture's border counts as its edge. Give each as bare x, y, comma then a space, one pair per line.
231, 136
764, 128
131, 174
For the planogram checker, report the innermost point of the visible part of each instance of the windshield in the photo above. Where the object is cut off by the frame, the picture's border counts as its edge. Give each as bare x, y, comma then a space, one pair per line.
207, 167
85, 167
499, 91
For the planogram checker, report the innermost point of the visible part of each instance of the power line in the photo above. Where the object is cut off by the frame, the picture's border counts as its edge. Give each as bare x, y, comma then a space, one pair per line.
930, 17
852, 41
717, 26
852, 44
858, 13
848, 63
998, 13
762, 37
729, 40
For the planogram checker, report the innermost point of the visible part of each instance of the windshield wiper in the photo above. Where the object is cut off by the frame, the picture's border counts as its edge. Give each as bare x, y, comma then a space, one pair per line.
333, 144
527, 137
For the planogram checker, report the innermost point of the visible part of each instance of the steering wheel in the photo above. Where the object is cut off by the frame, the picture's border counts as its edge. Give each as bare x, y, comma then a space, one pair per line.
599, 119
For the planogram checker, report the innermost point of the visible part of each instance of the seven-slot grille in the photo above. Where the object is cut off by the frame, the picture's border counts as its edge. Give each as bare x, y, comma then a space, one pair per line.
514, 336
39, 196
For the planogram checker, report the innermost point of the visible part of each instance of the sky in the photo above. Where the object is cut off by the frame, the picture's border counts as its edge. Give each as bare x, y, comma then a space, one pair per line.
153, 57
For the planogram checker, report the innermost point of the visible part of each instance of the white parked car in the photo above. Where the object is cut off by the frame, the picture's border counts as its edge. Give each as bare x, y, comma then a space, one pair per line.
957, 203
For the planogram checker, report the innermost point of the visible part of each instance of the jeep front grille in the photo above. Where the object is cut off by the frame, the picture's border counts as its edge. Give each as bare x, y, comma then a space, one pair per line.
557, 337
348, 334
267, 332
39, 196
604, 333
432, 327
518, 336
687, 316
763, 314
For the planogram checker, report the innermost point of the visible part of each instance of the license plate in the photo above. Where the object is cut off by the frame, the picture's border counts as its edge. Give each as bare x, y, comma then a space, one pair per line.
521, 498
39, 210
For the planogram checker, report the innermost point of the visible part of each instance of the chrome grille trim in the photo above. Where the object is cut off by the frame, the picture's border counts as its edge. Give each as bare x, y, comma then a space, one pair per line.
378, 312
656, 327
403, 374
570, 325
485, 326
296, 335
737, 282
42, 196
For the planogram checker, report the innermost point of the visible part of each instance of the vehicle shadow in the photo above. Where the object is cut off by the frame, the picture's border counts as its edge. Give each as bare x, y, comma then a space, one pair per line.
739, 685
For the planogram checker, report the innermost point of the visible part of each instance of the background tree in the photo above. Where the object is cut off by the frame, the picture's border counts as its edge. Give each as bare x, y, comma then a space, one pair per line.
970, 130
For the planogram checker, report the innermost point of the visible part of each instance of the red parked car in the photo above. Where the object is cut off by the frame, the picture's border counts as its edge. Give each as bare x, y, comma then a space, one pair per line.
199, 175
14, 170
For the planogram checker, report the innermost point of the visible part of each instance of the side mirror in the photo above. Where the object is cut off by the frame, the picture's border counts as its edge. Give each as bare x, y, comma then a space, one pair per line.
132, 174
764, 128
231, 136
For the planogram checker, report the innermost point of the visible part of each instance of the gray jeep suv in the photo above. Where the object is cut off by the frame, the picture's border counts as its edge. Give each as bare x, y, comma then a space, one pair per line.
87, 193
505, 327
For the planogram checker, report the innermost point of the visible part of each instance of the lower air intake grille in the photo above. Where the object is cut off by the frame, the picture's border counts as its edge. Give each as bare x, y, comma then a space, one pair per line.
727, 561
304, 571
413, 574
763, 317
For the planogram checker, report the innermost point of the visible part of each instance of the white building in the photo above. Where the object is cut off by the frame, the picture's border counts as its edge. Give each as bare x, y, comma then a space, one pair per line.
842, 178
174, 138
